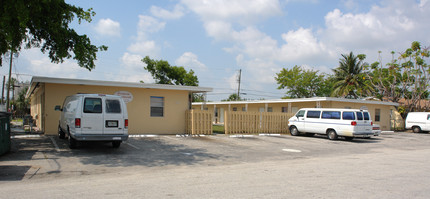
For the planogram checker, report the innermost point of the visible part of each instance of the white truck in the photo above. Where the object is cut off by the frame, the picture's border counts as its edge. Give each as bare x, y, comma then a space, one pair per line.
418, 121
348, 123
93, 117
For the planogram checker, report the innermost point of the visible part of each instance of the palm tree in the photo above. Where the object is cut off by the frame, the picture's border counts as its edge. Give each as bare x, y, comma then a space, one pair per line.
349, 78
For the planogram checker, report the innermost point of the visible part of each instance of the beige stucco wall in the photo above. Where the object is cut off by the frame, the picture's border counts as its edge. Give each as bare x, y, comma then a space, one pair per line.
384, 122
140, 121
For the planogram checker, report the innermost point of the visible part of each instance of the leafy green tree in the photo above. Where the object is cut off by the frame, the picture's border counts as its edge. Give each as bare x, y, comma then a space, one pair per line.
45, 24
302, 83
163, 73
349, 77
233, 97
22, 104
407, 77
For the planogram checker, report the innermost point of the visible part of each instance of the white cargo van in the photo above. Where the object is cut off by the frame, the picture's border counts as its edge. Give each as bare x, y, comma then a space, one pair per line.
418, 121
348, 123
93, 117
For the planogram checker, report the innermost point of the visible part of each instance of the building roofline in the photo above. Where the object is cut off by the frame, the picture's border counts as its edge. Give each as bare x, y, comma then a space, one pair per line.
38, 79
313, 99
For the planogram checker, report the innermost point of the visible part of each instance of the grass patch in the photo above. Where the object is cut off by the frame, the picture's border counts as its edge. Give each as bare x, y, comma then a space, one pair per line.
218, 129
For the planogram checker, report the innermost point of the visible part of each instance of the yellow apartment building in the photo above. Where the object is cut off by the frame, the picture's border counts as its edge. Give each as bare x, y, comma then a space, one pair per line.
47, 92
383, 113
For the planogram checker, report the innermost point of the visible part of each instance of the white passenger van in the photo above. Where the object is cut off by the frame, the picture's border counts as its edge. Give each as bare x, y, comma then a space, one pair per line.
93, 117
348, 123
418, 121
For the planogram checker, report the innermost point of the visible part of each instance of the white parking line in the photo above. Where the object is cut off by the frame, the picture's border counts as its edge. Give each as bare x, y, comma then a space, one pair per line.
25, 136
241, 136
132, 145
292, 150
55, 144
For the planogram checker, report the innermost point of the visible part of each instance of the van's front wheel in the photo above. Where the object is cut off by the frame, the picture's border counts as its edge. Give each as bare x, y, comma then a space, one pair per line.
332, 135
416, 129
116, 144
294, 131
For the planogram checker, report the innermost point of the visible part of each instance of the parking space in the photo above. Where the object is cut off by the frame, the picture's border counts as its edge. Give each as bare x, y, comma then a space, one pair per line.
194, 164
45, 156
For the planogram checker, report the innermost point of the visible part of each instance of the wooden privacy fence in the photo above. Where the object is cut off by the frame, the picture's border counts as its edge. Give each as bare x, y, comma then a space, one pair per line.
199, 122
256, 122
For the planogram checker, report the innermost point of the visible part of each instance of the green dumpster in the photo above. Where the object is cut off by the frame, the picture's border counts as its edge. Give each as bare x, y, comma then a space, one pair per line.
4, 132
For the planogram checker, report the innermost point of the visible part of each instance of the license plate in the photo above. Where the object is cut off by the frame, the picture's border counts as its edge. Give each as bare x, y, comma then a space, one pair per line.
116, 138
111, 123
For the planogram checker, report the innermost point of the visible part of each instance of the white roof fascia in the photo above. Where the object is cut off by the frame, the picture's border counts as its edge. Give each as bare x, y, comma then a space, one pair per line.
38, 79
314, 99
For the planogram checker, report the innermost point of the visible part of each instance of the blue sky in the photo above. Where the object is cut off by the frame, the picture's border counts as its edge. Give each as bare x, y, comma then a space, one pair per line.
216, 38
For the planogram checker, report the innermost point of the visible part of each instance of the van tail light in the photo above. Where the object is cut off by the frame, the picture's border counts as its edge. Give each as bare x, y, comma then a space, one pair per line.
353, 123
126, 123
77, 122
371, 123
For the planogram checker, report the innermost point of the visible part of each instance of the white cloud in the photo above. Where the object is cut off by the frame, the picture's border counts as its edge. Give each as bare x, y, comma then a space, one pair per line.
148, 24
391, 25
238, 11
39, 64
190, 60
108, 27
133, 69
145, 48
177, 12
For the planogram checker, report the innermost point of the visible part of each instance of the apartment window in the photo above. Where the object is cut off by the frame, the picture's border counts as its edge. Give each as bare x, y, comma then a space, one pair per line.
243, 109
234, 108
157, 106
269, 109
284, 109
377, 115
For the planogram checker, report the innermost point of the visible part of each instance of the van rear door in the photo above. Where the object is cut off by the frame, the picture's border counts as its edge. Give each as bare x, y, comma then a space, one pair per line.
114, 117
92, 116
363, 122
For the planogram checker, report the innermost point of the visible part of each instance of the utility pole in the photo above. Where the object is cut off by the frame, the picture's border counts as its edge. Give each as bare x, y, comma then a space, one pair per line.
8, 83
238, 89
2, 90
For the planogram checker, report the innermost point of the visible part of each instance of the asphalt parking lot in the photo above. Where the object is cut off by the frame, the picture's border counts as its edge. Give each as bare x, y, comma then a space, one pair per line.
389, 166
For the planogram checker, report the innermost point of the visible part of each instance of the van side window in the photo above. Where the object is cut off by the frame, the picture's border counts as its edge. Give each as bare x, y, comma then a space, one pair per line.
330, 115
359, 115
300, 113
428, 117
93, 105
313, 114
366, 115
348, 115
113, 106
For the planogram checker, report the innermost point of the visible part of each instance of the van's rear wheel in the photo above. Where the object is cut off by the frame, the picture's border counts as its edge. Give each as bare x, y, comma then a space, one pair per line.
116, 144
61, 133
416, 129
72, 142
332, 135
294, 131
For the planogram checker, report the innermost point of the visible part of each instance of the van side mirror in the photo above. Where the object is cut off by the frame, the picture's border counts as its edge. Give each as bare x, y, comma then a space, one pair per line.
58, 108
